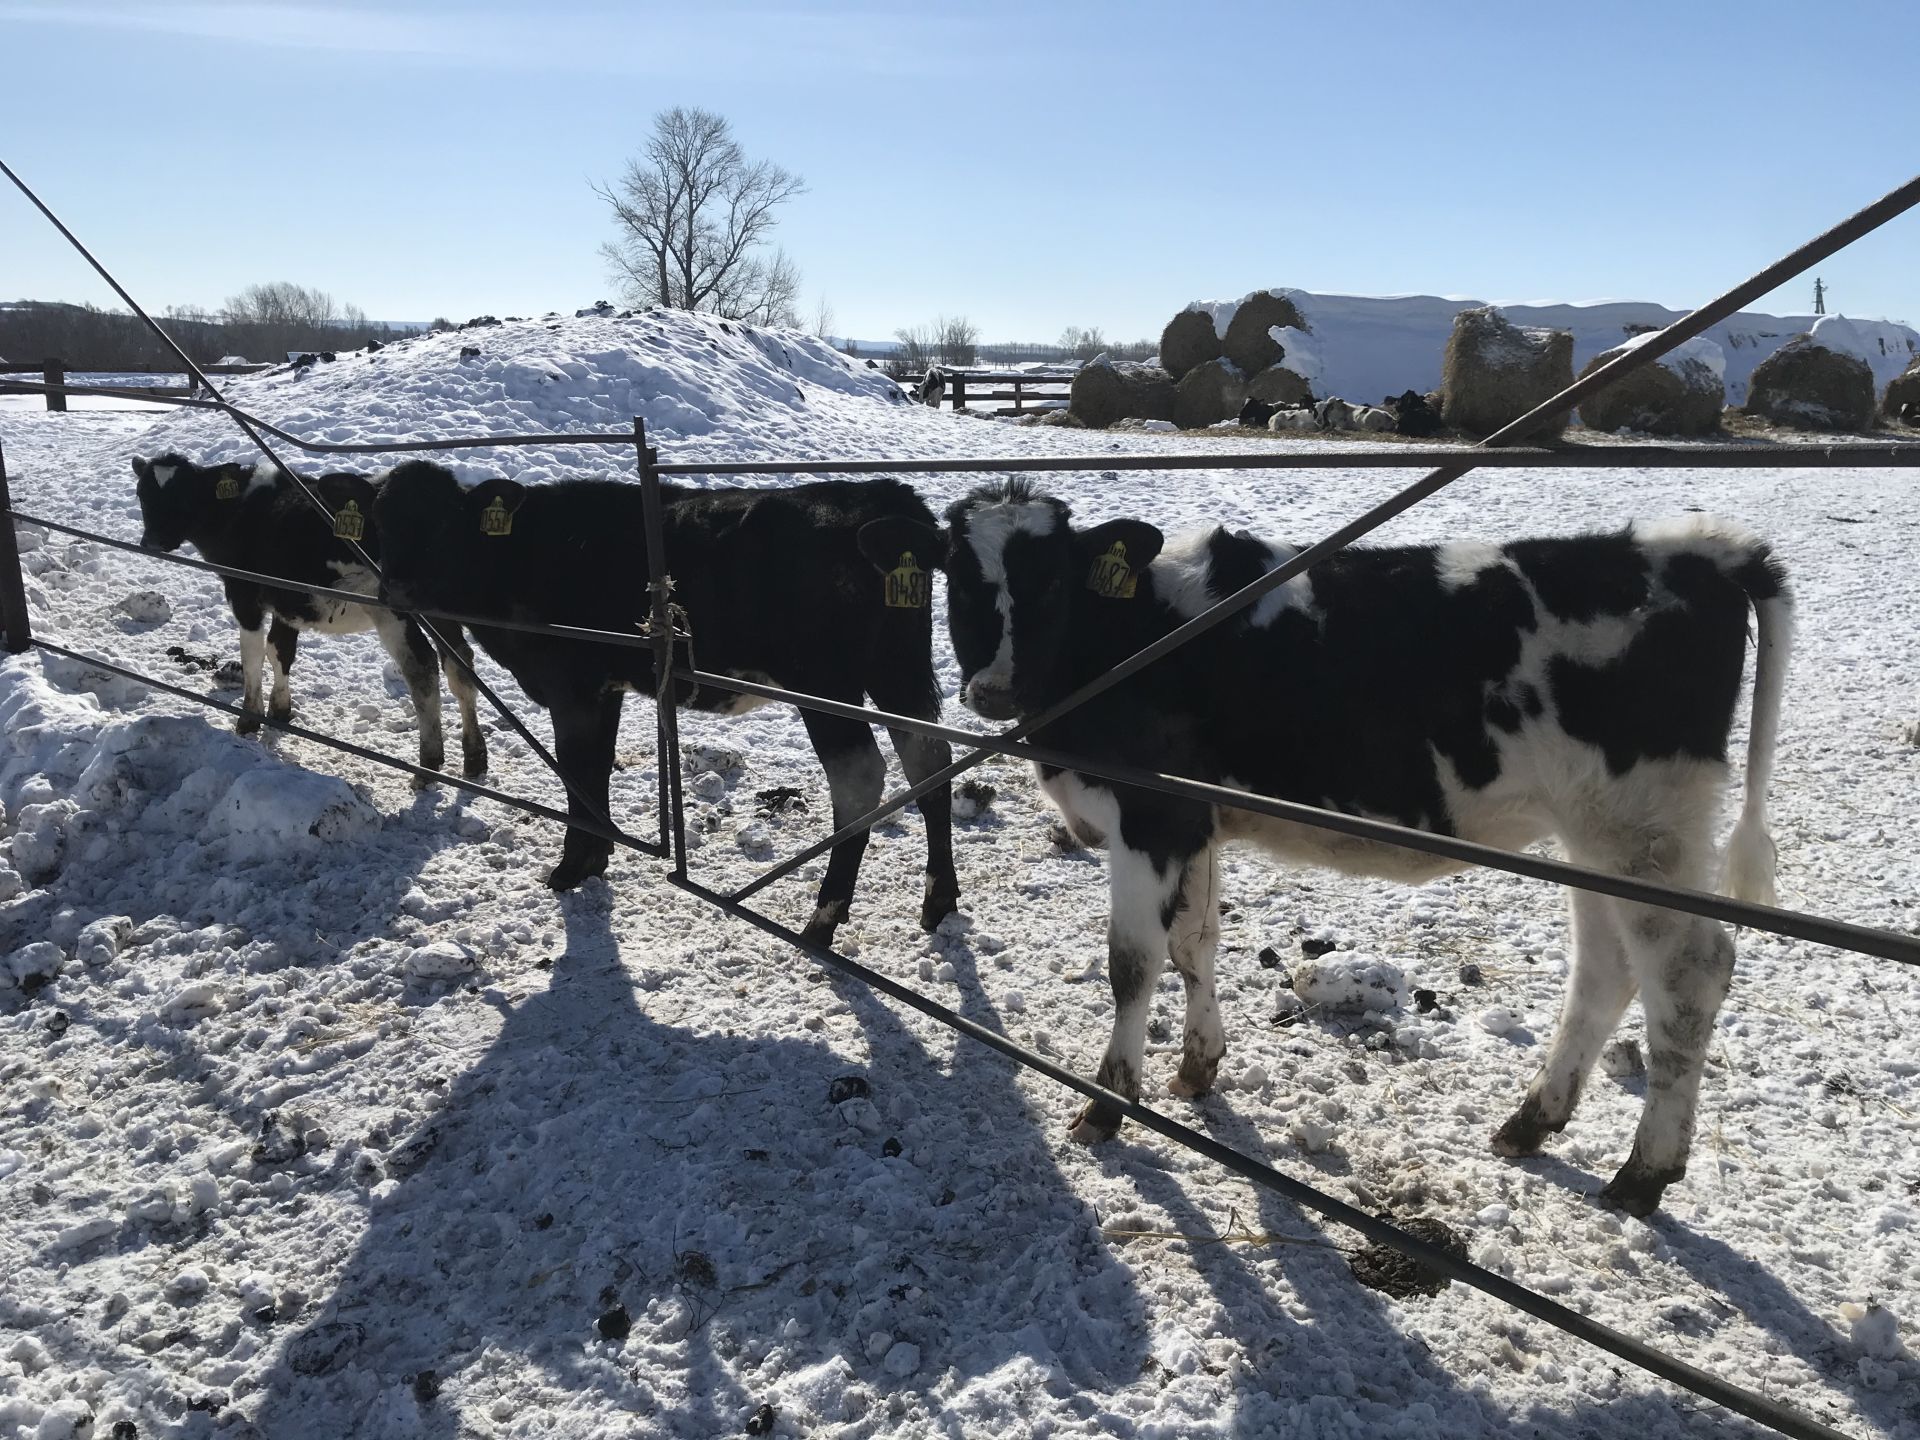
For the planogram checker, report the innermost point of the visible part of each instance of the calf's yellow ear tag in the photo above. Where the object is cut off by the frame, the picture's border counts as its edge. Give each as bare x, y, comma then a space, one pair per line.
349, 523
227, 487
907, 584
1110, 576
496, 519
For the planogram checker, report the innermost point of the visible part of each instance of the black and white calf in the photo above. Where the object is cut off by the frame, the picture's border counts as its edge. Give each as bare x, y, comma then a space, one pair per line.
775, 589
1580, 687
254, 517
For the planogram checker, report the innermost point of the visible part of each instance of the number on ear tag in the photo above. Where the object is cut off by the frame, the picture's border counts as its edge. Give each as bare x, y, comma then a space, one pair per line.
496, 519
907, 584
1110, 576
227, 487
349, 523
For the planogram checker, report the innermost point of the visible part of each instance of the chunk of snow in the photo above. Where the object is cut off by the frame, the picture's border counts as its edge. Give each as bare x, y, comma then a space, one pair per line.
1349, 980
442, 960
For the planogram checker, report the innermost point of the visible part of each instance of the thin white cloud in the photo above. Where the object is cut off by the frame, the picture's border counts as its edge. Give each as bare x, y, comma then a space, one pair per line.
790, 43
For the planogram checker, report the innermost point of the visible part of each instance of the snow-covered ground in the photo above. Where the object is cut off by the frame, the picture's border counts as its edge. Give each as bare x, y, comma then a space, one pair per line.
320, 1116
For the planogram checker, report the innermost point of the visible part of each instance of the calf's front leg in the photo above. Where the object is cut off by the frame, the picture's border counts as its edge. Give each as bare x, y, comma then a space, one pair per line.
585, 731
1144, 900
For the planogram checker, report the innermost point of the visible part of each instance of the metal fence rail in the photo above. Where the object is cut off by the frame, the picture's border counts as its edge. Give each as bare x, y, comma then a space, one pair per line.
1451, 466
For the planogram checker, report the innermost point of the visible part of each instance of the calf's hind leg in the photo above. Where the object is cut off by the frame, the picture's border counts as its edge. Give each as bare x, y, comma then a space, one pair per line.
1598, 991
1191, 942
855, 776
282, 641
1143, 892
407, 643
1685, 964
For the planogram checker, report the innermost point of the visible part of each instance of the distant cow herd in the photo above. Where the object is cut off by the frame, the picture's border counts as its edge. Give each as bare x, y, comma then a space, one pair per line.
1579, 687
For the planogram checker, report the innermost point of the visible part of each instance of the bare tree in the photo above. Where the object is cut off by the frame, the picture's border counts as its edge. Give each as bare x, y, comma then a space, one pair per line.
918, 345
822, 325
694, 215
1082, 342
957, 340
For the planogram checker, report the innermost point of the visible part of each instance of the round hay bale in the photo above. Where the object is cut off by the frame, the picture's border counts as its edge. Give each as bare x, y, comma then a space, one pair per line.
1809, 387
1678, 394
1104, 392
1277, 385
1902, 401
1495, 371
1208, 394
1247, 342
1189, 340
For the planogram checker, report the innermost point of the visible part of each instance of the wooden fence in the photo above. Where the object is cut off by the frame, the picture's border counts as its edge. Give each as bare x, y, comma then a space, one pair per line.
55, 373
1027, 389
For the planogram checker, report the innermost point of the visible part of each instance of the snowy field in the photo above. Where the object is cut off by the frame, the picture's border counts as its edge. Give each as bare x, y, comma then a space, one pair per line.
320, 1116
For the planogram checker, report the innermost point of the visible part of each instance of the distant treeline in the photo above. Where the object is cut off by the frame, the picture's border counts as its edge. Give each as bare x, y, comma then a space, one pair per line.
261, 324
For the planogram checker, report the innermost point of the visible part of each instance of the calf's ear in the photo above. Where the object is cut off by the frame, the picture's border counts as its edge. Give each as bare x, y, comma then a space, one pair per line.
884, 541
142, 466
1138, 540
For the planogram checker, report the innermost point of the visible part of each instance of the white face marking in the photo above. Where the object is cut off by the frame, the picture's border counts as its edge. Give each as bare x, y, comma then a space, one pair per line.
163, 473
265, 477
988, 531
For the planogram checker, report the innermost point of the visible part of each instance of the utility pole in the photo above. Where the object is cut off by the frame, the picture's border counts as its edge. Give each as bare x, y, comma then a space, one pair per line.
1819, 296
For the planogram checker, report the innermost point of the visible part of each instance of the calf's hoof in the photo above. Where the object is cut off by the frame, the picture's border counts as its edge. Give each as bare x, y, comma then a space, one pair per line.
827, 918
247, 724
1097, 1122
939, 902
1193, 1079
473, 762
575, 870
1525, 1132
281, 713
1638, 1187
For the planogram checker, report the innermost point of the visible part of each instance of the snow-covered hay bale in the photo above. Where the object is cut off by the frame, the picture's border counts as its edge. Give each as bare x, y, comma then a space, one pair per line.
1249, 341
1208, 394
1808, 386
1681, 393
1190, 339
1279, 386
1494, 372
1902, 400
1105, 391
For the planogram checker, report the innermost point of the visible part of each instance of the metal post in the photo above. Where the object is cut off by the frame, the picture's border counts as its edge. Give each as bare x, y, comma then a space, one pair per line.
56, 373
13, 585
673, 828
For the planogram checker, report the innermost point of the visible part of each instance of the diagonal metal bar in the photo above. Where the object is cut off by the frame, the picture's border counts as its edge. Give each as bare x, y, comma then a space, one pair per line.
1769, 1412
440, 642
1841, 934
377, 757
1682, 330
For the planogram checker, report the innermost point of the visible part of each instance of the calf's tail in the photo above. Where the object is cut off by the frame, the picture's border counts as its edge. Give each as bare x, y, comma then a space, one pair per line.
1750, 850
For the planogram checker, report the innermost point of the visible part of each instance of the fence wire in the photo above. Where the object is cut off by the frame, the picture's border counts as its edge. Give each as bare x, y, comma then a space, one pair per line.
1451, 467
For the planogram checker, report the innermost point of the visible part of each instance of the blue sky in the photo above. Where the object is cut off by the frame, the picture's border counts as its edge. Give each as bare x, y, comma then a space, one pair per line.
1029, 165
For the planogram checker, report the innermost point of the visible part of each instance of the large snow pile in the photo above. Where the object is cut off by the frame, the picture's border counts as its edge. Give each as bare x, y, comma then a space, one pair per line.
320, 1116
1370, 346
688, 376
